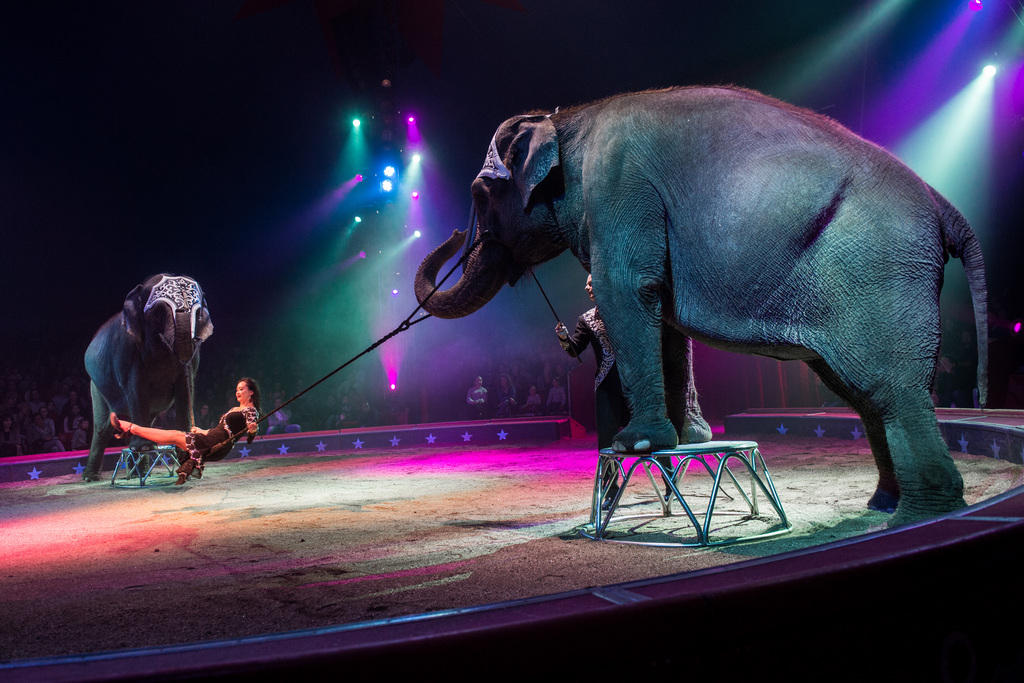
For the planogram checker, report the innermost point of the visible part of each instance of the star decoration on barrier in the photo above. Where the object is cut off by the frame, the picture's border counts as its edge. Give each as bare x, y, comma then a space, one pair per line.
963, 443
819, 431
78, 469
358, 443
781, 429
283, 449
244, 451
995, 449
321, 447
466, 436
394, 440
431, 438
34, 474
856, 432
502, 434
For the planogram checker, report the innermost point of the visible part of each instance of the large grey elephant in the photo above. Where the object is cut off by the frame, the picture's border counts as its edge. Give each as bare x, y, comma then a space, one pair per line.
751, 225
144, 359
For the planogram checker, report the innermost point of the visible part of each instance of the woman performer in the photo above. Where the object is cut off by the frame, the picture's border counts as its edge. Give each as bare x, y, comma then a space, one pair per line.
612, 408
205, 444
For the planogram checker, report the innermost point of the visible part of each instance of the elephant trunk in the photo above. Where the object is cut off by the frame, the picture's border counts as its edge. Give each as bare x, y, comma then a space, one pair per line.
485, 272
184, 346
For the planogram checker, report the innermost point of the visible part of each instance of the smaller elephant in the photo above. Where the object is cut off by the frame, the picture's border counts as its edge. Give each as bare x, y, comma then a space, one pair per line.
144, 359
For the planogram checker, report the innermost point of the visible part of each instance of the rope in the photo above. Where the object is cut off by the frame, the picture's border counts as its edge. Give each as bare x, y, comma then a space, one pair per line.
402, 327
544, 294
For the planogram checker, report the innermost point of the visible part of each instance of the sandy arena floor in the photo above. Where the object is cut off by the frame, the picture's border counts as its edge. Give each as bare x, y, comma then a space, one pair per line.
276, 544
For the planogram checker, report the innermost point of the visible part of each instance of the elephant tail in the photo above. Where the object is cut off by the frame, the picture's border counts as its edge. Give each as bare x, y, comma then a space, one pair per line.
961, 242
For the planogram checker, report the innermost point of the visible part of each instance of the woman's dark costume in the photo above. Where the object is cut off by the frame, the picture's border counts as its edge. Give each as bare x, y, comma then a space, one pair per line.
612, 409
219, 440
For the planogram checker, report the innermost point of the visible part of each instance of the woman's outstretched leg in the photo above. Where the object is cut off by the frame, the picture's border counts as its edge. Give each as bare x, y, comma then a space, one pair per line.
169, 437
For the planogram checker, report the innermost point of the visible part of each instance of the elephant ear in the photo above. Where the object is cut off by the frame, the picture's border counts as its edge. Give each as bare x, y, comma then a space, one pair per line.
536, 155
132, 313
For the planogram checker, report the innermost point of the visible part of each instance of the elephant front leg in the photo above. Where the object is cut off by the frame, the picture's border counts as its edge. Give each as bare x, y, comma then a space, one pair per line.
633, 320
680, 390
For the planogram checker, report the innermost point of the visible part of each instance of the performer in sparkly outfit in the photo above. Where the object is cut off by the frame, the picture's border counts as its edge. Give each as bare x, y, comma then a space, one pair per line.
611, 406
205, 444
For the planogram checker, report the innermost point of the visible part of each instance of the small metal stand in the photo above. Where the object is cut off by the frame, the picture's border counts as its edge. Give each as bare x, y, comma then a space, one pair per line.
715, 457
139, 465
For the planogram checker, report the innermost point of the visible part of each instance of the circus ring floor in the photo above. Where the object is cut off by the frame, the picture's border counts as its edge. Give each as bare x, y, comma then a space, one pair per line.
465, 558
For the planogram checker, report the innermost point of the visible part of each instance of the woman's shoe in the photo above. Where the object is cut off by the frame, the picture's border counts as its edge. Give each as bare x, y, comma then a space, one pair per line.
184, 471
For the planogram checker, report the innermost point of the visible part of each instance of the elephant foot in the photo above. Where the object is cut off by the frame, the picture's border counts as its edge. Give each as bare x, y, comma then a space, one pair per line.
908, 514
644, 437
90, 476
884, 501
695, 430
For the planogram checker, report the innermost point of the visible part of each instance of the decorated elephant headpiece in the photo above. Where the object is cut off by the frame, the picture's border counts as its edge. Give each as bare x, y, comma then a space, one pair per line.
172, 307
524, 150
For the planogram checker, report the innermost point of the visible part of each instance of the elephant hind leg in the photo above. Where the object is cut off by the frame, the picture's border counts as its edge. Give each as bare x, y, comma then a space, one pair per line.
680, 390
102, 431
930, 483
887, 493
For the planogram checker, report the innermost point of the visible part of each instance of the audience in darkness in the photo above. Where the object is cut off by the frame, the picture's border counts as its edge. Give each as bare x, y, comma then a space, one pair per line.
45, 405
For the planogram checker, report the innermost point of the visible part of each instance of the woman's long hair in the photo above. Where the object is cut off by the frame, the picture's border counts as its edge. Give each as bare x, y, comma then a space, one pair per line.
254, 388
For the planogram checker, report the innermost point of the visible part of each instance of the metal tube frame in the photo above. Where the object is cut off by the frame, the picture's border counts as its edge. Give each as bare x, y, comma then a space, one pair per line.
750, 457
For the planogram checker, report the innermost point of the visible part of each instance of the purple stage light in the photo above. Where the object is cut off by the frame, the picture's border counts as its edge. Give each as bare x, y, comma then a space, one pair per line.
974, 5
415, 195
1016, 327
411, 119
393, 386
359, 177
394, 292
362, 254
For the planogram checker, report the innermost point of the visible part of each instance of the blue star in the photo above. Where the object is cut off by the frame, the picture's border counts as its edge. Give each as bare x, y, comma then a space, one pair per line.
963, 443
79, 468
466, 436
358, 443
394, 440
283, 449
34, 474
819, 431
781, 429
431, 438
244, 451
502, 434
321, 446
995, 449
856, 432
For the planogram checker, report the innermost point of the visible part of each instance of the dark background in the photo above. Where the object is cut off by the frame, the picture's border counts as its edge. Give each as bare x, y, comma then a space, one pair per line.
199, 138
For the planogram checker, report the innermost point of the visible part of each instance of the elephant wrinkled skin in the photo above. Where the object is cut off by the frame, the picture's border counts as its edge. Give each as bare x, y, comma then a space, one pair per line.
721, 214
144, 359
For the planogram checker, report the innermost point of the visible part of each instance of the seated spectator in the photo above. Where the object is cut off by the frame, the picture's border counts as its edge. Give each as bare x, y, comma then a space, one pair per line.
11, 442
280, 421
506, 397
41, 435
556, 403
476, 400
82, 436
533, 405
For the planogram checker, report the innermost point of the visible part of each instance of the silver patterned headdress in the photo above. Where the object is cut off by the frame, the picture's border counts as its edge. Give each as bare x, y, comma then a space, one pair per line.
493, 166
180, 293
